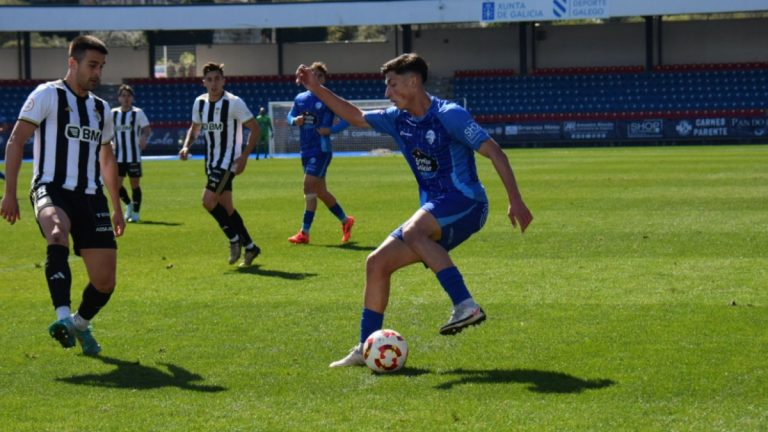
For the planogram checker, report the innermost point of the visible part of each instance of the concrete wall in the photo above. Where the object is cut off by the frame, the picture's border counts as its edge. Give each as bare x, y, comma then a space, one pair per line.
448, 50
715, 41
590, 45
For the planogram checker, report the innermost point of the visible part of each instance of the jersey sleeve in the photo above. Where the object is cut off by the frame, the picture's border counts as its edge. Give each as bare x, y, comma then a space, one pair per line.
141, 119
242, 112
462, 127
196, 112
382, 121
108, 131
38, 105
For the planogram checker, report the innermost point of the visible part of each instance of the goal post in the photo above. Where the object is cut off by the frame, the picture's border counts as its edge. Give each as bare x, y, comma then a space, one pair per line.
285, 138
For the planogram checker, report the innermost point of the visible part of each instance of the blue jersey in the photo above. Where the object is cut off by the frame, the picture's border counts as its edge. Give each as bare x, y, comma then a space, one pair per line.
316, 115
439, 147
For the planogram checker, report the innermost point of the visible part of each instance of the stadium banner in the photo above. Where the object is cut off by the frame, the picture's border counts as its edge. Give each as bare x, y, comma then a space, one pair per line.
644, 129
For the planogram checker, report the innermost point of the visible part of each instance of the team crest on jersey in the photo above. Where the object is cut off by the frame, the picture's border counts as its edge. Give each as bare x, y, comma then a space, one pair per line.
29, 105
97, 115
430, 136
318, 105
83, 133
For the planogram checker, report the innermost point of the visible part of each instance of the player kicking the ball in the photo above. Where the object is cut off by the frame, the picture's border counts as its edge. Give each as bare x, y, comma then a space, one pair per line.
438, 139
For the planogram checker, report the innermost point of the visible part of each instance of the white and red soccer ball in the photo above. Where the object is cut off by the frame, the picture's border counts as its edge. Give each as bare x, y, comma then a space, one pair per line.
385, 351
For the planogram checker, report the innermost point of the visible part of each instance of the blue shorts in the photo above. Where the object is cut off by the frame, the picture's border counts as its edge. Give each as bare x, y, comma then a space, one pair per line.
458, 216
316, 164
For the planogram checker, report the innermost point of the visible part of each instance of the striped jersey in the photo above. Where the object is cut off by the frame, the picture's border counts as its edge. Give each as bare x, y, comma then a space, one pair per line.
222, 125
70, 132
128, 126
439, 147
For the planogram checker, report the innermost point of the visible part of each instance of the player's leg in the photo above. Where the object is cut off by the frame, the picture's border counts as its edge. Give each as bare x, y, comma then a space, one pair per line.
391, 255
436, 228
101, 264
310, 206
55, 226
347, 222
219, 182
251, 249
94, 241
122, 172
135, 179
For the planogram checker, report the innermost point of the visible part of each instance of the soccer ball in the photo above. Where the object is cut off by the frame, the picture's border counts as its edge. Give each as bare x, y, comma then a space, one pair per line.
385, 351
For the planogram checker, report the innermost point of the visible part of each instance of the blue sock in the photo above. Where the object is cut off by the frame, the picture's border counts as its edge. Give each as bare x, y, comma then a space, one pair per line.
453, 284
369, 323
338, 212
309, 216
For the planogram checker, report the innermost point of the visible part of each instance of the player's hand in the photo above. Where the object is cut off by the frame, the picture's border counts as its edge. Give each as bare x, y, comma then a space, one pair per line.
183, 153
118, 222
239, 164
305, 77
519, 214
9, 209
324, 131
298, 120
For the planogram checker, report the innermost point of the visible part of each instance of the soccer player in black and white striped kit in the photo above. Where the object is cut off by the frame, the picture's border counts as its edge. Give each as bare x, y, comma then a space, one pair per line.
132, 130
220, 115
72, 154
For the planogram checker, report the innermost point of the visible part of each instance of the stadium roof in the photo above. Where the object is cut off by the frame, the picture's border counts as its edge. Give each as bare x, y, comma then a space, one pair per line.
344, 13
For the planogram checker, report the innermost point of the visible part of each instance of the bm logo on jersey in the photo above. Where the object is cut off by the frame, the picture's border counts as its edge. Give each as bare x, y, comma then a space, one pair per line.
213, 126
83, 133
123, 128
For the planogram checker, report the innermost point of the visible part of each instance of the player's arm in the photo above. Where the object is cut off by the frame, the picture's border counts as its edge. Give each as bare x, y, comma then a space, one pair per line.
146, 132
14, 152
112, 182
517, 211
192, 134
253, 139
343, 108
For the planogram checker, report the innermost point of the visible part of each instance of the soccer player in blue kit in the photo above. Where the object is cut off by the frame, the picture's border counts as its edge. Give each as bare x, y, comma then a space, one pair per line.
438, 139
316, 124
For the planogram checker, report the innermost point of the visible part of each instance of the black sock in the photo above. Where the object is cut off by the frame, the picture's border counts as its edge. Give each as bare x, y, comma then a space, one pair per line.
136, 199
58, 275
93, 301
239, 225
124, 196
220, 214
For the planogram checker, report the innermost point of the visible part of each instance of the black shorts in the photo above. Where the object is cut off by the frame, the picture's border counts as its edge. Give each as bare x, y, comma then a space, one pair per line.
129, 169
219, 180
91, 225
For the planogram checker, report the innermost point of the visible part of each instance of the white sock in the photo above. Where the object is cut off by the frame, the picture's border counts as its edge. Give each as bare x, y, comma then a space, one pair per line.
80, 322
62, 312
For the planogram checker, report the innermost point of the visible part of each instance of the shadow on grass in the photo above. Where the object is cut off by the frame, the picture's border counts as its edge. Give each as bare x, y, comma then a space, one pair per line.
540, 381
150, 222
405, 371
256, 269
135, 376
353, 246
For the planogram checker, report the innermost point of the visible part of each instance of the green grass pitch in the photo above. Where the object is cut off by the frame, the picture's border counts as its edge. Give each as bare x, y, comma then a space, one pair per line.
637, 300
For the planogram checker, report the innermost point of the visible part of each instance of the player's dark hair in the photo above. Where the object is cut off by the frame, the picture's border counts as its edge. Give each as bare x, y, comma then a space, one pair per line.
83, 43
211, 67
405, 63
125, 88
319, 66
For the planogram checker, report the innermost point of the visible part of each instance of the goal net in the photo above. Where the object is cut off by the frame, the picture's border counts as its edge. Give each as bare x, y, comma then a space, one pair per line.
285, 138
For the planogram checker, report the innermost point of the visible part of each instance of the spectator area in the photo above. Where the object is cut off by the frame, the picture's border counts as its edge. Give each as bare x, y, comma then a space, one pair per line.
493, 96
